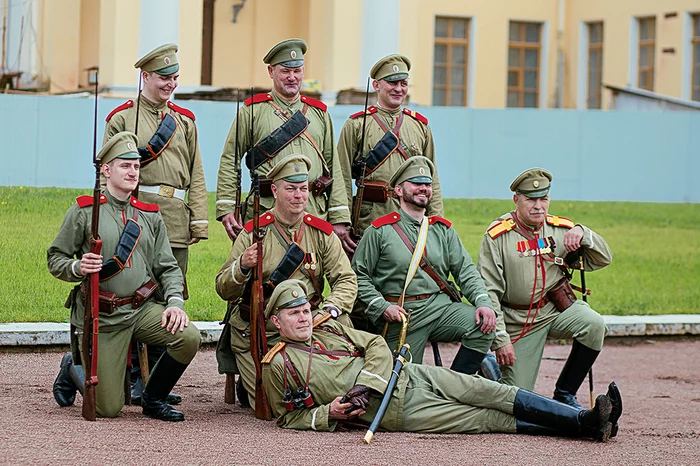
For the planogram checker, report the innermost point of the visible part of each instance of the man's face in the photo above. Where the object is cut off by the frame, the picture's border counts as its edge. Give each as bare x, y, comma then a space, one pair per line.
295, 323
286, 81
159, 88
390, 95
290, 197
531, 211
122, 175
416, 194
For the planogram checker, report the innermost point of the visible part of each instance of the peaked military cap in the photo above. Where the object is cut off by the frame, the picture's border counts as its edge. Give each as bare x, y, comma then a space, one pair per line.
417, 169
162, 60
289, 53
391, 68
533, 183
293, 168
120, 146
289, 293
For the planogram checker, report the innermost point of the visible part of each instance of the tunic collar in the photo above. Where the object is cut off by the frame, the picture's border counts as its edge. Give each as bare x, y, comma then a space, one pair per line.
283, 102
121, 205
392, 113
407, 218
152, 106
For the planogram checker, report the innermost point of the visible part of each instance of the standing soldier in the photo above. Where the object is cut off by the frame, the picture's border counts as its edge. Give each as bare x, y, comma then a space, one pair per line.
171, 164
393, 134
286, 122
523, 259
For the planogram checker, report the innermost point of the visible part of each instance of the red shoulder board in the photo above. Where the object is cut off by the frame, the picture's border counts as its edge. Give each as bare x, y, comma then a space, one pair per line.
85, 201
370, 110
321, 320
181, 110
124, 106
314, 103
560, 221
257, 98
318, 224
501, 227
388, 219
416, 115
435, 219
146, 207
265, 219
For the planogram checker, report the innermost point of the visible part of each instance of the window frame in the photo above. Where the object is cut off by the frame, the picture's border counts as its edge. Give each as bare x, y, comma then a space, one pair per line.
449, 42
523, 46
595, 46
695, 57
642, 46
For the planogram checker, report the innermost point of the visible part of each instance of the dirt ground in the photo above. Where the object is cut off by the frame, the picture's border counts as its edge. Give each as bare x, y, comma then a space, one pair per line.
659, 381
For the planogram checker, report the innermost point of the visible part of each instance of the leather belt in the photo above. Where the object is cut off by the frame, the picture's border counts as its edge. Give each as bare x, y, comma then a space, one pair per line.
164, 190
526, 307
420, 297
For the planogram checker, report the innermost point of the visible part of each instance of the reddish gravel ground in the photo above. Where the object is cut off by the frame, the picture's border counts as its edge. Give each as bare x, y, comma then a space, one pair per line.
659, 380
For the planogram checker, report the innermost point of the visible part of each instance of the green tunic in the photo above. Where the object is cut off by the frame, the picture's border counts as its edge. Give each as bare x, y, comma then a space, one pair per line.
178, 166
333, 208
414, 134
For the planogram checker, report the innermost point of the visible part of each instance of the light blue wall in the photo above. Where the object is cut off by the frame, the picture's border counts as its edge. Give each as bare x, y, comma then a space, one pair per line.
594, 155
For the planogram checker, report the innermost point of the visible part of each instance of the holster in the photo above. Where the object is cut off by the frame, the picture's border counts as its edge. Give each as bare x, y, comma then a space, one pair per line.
159, 141
377, 191
321, 185
277, 140
562, 295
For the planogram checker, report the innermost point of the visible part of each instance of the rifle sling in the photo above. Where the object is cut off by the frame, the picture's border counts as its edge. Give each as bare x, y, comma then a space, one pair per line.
159, 141
277, 140
284, 240
399, 121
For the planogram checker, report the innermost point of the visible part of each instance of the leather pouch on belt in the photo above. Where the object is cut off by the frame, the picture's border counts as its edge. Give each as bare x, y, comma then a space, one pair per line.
562, 295
107, 302
143, 293
321, 185
376, 191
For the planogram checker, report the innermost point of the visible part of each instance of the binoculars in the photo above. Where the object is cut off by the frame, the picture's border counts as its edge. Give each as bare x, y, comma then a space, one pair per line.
300, 398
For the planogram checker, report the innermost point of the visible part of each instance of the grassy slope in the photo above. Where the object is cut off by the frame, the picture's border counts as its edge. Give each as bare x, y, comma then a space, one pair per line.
656, 266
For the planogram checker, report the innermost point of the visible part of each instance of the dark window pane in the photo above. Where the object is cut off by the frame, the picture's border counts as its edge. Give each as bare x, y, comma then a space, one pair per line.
513, 78
644, 57
530, 80
441, 27
530, 100
696, 19
459, 28
458, 53
514, 32
696, 54
457, 97
513, 57
592, 83
696, 77
440, 53
646, 29
440, 77
532, 33
457, 76
593, 58
512, 99
439, 96
531, 58
595, 33
643, 79
696, 94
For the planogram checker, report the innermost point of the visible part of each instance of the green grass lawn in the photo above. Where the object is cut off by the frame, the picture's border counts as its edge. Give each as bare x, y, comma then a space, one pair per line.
655, 270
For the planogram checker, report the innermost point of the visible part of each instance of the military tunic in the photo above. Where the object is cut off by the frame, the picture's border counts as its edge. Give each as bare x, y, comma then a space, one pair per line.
332, 207
151, 259
381, 263
510, 278
325, 258
426, 398
415, 135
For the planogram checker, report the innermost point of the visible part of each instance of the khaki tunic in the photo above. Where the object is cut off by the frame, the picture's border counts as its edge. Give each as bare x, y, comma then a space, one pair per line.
417, 138
333, 208
179, 166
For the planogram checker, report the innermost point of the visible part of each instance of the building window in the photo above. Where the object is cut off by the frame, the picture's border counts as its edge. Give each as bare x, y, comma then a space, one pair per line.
524, 64
595, 64
647, 42
450, 62
696, 57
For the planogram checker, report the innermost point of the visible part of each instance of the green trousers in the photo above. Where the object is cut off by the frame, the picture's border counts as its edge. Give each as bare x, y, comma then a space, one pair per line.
182, 257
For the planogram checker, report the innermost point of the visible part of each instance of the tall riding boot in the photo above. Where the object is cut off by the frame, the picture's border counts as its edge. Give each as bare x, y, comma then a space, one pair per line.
538, 415
70, 379
578, 364
616, 399
489, 368
154, 354
467, 361
162, 379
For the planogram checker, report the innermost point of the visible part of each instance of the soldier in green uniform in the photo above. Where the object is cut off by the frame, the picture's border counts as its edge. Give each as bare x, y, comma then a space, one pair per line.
392, 135
296, 244
142, 287
301, 125
382, 260
523, 261
322, 374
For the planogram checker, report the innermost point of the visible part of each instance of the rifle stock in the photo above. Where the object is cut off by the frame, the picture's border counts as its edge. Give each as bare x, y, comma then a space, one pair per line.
357, 204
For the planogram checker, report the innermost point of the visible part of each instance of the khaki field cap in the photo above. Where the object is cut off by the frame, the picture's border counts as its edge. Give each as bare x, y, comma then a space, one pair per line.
289, 53
162, 60
417, 169
120, 146
391, 68
533, 183
293, 168
289, 293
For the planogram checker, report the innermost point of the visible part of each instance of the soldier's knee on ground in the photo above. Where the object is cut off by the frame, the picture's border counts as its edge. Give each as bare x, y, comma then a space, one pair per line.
110, 407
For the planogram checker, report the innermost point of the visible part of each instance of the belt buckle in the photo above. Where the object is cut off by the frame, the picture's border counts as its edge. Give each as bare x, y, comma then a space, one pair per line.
166, 191
558, 261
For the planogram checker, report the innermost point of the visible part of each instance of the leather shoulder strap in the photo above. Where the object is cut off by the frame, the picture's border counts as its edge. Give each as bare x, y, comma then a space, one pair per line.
396, 129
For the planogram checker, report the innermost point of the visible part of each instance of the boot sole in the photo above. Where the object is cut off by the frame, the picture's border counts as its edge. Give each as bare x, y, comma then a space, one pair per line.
605, 427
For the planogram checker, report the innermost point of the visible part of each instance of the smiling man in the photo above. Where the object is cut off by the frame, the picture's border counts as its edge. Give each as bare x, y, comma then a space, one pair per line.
524, 258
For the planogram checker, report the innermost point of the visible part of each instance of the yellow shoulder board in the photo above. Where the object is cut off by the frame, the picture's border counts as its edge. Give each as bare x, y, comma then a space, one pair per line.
560, 221
322, 319
500, 228
267, 359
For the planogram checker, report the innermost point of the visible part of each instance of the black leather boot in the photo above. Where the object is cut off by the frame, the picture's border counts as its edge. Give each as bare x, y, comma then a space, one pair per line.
162, 379
242, 393
616, 399
577, 365
63, 388
467, 361
154, 354
557, 418
489, 368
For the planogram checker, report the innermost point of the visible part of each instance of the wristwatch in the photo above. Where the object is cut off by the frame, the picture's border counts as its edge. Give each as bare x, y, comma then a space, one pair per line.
332, 310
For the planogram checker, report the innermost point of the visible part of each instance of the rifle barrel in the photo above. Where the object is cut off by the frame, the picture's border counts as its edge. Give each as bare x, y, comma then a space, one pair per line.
357, 205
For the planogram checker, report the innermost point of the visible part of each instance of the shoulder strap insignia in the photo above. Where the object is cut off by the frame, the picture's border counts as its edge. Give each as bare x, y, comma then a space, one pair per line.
146, 207
181, 110
265, 219
314, 103
416, 115
370, 110
560, 221
128, 104
323, 319
501, 227
85, 201
387, 219
267, 359
318, 223
257, 98
435, 219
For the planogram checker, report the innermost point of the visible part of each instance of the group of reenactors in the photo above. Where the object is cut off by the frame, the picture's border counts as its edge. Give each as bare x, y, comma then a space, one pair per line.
388, 271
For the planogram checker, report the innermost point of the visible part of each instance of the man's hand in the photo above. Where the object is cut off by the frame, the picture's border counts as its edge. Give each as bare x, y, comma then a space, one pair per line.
90, 263
393, 313
505, 355
193, 241
343, 232
338, 410
174, 319
487, 317
232, 227
249, 258
572, 238
358, 397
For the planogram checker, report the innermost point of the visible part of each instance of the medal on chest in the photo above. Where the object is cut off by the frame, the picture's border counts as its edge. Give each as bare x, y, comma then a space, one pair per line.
535, 247
310, 261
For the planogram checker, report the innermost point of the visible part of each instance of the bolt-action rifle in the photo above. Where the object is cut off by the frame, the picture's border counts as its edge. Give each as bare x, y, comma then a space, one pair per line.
237, 157
360, 183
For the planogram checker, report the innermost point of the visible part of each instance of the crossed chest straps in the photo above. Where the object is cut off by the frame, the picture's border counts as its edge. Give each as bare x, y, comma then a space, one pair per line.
125, 247
159, 141
387, 145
